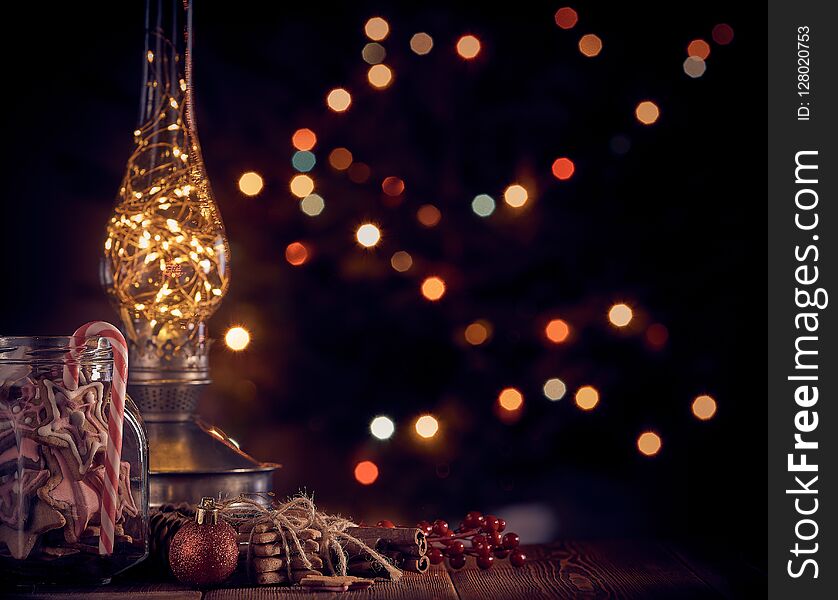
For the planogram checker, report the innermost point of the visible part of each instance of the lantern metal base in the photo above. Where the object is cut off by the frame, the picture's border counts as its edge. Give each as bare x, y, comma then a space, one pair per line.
189, 460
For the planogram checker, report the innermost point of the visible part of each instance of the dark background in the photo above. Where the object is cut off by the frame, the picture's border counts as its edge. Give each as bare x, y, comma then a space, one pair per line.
672, 227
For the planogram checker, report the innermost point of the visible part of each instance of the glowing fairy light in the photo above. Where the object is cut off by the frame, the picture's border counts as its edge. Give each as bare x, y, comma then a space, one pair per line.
566, 17
516, 195
301, 185
340, 159
428, 215
303, 161
590, 45
554, 389
698, 49
312, 205
694, 67
647, 112
368, 235
426, 426
557, 331
237, 338
468, 47
374, 53
339, 100
382, 427
377, 29
296, 254
366, 472
477, 333
304, 139
250, 183
649, 443
401, 261
433, 288
510, 399
483, 205
392, 186
421, 43
587, 397
620, 315
563, 168
380, 76
704, 407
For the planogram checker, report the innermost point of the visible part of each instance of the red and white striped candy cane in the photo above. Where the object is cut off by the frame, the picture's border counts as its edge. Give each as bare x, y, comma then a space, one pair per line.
115, 419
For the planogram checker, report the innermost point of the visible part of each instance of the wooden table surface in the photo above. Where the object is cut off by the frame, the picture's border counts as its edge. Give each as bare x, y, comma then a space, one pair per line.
597, 569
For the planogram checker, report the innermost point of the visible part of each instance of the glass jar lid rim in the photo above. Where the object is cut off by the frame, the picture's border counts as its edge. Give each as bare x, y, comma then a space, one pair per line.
20, 349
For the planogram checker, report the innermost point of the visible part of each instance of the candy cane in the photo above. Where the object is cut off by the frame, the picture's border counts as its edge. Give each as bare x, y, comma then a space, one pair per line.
115, 420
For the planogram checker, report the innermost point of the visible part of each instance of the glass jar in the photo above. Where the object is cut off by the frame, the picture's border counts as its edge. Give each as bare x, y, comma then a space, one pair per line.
52, 456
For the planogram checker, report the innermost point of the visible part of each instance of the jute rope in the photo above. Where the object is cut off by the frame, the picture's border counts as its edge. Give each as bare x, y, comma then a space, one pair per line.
293, 516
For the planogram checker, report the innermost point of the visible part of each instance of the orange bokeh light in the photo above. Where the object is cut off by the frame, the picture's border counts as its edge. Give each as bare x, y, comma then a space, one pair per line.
366, 472
477, 333
468, 47
587, 397
649, 443
339, 100
699, 49
590, 45
563, 168
647, 112
296, 253
557, 331
392, 186
433, 288
510, 399
340, 158
304, 139
429, 215
566, 17
704, 407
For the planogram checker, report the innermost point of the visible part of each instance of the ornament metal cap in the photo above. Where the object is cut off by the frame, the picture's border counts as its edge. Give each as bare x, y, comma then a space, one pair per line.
207, 512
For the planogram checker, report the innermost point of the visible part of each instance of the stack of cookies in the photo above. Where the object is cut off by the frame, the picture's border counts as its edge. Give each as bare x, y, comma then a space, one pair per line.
269, 561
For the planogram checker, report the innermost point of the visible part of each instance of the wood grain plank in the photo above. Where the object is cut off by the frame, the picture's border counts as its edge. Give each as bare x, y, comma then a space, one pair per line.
121, 591
620, 569
435, 584
731, 576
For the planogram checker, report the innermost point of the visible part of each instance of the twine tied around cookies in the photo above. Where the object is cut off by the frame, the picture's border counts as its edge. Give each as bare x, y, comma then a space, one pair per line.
292, 517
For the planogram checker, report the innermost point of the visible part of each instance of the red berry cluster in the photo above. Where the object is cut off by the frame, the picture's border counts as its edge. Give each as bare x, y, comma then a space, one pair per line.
478, 535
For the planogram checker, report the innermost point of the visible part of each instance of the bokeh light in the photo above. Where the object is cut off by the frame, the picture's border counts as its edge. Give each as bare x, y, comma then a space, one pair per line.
428, 215
649, 443
433, 288
340, 158
303, 161
392, 186
554, 389
382, 427
366, 472
483, 205
516, 195
723, 34
368, 235
587, 397
704, 407
478, 332
566, 17
620, 315
657, 335
510, 399
421, 43
468, 46
301, 185
339, 100
312, 205
237, 338
401, 261
694, 67
304, 139
647, 112
377, 29
251, 183
296, 254
427, 426
563, 168
557, 331
590, 45
380, 76
373, 53
698, 49
359, 172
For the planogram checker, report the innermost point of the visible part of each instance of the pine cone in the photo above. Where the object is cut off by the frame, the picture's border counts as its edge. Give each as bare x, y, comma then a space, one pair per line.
164, 523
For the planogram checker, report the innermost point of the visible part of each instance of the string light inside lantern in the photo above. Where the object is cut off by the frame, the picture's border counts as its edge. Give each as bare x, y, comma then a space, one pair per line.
237, 338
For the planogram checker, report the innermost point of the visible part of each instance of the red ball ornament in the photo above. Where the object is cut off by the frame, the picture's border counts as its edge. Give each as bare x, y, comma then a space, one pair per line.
205, 551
